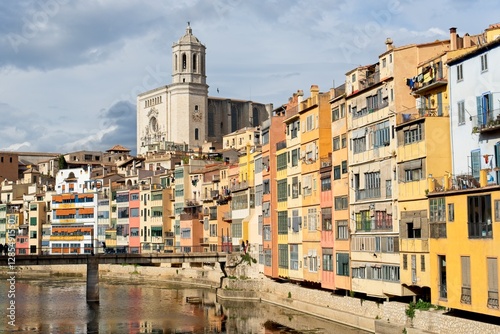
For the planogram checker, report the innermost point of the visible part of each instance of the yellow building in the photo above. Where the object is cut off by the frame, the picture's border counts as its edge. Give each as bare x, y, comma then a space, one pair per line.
423, 139
316, 142
294, 199
464, 231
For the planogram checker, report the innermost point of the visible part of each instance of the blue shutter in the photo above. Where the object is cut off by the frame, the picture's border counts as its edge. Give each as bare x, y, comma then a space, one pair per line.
479, 111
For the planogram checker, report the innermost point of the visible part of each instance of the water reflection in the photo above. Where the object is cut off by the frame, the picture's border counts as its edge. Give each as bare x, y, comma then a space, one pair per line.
57, 305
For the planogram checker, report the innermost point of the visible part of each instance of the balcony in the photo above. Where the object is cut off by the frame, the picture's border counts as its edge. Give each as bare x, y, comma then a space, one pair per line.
493, 299
227, 216
192, 202
371, 79
362, 194
412, 114
239, 186
214, 194
486, 122
465, 297
280, 145
365, 111
451, 182
422, 88
215, 178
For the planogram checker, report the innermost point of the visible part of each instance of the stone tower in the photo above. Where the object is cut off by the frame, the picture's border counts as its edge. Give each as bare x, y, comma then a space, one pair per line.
176, 113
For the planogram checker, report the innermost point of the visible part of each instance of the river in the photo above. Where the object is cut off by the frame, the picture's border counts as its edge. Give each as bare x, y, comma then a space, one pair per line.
57, 305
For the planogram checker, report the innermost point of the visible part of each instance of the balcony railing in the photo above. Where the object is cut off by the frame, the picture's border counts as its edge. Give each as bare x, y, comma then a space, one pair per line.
465, 297
493, 299
362, 194
453, 182
280, 145
411, 114
239, 186
365, 111
487, 121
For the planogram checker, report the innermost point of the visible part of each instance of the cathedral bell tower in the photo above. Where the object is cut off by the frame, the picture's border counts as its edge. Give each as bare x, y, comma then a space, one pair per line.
189, 91
188, 60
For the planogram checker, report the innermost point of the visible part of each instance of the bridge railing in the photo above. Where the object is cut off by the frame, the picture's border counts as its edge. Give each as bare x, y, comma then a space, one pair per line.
225, 248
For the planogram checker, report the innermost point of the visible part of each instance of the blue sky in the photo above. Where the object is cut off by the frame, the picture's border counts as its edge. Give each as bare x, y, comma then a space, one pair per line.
70, 70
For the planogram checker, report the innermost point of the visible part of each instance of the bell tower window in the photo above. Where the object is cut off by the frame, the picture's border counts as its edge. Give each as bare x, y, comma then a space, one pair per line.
184, 61
176, 60
194, 62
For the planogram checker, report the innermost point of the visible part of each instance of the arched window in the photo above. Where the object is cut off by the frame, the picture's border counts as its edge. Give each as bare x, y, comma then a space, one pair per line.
196, 135
194, 62
184, 61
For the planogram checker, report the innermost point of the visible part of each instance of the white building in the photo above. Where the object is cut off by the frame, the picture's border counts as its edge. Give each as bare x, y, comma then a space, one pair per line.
474, 81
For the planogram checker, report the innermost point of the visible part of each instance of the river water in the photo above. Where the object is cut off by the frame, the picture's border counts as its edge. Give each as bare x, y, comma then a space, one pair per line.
57, 305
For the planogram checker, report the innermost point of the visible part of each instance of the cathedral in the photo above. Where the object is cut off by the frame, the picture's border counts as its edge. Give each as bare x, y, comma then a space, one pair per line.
181, 115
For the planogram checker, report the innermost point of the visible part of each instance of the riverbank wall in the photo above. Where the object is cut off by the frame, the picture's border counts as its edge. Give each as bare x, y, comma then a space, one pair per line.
384, 318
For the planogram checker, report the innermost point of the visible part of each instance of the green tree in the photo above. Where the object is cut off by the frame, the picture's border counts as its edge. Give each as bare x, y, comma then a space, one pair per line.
62, 162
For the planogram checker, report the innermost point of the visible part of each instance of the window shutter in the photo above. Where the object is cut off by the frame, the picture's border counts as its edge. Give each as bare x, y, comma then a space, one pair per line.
479, 109
465, 271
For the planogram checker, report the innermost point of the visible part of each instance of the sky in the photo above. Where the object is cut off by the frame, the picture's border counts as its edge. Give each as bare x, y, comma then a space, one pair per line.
70, 70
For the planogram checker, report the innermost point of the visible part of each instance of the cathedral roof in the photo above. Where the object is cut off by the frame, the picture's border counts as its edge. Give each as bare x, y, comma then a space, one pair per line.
189, 37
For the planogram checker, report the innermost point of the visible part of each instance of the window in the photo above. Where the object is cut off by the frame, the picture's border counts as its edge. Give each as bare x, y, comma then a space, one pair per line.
384, 62
340, 203
437, 210
460, 73
465, 297
267, 232
475, 157
327, 259
405, 261
336, 172
342, 110
381, 135
335, 114
281, 161
326, 184
295, 157
283, 256
296, 187
311, 219
326, 217
451, 212
282, 191
479, 216
461, 112
342, 229
363, 220
413, 134
267, 257
344, 167
343, 140
294, 257
422, 263
390, 273
312, 258
296, 221
336, 143
282, 222
342, 264
383, 220
196, 135
353, 77
492, 264
497, 210
358, 272
359, 145
310, 122
484, 62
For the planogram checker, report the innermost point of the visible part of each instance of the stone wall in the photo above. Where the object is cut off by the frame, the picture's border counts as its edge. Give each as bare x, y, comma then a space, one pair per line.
383, 318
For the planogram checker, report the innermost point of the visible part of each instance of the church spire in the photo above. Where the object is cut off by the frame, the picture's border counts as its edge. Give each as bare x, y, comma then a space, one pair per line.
189, 31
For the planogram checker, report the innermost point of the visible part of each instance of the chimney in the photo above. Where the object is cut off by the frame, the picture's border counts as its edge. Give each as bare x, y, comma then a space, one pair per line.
314, 90
300, 96
453, 39
388, 43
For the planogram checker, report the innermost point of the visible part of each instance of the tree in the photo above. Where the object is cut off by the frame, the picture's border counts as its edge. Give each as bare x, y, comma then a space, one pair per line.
62, 162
